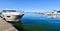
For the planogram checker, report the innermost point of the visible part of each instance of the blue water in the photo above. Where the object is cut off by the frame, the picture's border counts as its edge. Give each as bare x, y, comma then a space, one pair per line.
39, 22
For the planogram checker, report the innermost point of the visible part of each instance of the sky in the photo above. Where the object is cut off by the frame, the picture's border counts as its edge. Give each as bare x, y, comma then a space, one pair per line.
30, 5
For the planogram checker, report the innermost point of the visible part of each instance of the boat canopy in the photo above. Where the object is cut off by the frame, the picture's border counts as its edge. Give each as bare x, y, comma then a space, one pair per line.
8, 11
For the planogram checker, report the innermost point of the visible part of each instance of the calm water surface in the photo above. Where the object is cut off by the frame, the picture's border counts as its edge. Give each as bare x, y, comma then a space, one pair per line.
38, 22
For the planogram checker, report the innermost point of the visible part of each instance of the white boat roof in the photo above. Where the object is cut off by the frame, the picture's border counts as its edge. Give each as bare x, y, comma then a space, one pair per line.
12, 13
8, 9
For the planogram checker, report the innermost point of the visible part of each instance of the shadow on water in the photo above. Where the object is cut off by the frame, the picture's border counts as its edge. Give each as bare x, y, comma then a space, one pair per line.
18, 25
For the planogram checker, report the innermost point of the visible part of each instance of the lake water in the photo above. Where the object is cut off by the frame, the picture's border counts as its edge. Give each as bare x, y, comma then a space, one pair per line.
38, 22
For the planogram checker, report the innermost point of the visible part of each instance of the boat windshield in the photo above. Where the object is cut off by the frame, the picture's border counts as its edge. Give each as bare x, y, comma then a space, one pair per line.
58, 11
9, 11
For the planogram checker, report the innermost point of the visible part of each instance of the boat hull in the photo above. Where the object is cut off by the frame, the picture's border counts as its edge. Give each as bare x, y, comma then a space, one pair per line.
12, 17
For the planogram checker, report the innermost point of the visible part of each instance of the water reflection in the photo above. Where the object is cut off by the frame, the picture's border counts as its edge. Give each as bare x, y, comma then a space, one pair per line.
18, 25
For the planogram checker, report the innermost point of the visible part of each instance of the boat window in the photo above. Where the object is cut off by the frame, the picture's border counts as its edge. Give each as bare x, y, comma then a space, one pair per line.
9, 11
8, 16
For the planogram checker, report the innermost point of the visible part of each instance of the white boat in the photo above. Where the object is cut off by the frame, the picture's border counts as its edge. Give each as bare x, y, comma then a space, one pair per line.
11, 15
53, 14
